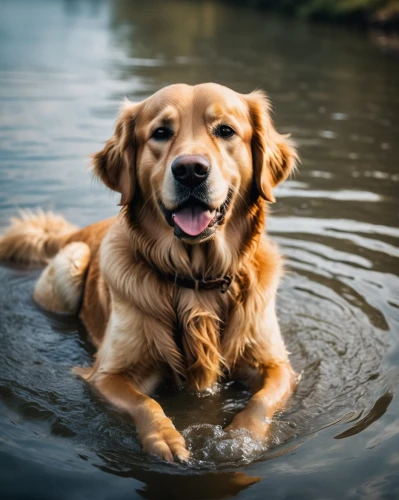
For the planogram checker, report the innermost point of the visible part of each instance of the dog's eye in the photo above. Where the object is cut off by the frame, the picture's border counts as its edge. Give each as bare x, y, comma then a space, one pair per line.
162, 134
224, 131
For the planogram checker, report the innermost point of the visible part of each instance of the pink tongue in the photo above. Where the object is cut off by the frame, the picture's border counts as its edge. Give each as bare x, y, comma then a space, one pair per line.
193, 220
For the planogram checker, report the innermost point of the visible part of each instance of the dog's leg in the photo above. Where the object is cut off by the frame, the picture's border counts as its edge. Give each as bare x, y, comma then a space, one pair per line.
264, 363
277, 384
157, 432
60, 286
126, 370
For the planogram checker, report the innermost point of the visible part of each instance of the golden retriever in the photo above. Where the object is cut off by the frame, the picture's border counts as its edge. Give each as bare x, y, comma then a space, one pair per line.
182, 283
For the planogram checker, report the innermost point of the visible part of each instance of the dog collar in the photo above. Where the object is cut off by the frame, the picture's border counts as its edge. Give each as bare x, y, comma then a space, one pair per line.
199, 283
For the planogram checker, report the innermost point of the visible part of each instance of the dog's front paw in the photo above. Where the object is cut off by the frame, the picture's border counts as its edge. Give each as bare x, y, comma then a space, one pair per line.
161, 438
257, 427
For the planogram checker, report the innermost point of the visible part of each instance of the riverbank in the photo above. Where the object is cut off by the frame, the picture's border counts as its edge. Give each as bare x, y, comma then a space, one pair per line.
378, 13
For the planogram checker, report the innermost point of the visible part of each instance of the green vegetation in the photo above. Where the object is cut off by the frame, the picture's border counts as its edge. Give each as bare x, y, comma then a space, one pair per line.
383, 12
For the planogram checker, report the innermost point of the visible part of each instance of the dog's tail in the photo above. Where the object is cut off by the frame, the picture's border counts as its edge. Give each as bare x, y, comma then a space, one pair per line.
34, 237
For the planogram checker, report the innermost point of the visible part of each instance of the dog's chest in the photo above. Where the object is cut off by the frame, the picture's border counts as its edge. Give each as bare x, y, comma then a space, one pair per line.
198, 336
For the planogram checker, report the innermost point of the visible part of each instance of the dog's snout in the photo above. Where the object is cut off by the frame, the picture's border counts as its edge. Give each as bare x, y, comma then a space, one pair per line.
191, 170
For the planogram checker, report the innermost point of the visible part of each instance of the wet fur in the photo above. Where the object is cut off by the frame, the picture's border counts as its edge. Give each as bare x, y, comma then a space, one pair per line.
146, 328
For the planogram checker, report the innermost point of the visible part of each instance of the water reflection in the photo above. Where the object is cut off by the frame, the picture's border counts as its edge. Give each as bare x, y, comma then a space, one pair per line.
378, 410
64, 68
194, 486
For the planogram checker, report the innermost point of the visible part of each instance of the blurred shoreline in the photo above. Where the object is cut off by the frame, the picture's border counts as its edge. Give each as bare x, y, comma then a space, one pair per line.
378, 14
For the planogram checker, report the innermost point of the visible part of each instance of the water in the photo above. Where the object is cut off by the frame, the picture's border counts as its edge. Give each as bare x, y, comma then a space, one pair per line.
64, 69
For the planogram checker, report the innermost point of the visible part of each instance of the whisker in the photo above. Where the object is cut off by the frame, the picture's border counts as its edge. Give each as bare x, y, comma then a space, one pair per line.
236, 190
148, 199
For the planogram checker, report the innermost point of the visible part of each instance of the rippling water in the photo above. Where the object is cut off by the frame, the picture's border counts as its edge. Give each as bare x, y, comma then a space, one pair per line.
64, 68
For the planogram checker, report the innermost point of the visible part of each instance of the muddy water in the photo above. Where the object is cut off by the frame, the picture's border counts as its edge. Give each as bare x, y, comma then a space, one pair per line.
64, 67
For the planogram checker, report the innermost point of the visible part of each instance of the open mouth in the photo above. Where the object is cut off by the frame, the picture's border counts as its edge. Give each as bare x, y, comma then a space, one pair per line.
194, 219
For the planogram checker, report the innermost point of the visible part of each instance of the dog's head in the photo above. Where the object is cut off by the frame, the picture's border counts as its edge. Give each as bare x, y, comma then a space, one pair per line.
191, 153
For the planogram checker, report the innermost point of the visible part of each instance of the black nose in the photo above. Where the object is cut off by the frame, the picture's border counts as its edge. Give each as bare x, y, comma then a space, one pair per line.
191, 170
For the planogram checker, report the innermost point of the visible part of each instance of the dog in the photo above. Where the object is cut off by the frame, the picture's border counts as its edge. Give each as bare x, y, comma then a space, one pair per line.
182, 283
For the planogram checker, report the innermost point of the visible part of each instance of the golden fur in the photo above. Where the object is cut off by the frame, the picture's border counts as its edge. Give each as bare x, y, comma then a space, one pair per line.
147, 328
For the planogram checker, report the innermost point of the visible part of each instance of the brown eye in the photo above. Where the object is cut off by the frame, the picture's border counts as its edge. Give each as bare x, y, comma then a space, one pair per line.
162, 134
224, 131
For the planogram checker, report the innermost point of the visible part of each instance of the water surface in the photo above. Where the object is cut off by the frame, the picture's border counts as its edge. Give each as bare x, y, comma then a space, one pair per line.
64, 68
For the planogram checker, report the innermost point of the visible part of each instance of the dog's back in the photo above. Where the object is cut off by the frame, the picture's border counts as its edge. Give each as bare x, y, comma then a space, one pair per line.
71, 255
35, 237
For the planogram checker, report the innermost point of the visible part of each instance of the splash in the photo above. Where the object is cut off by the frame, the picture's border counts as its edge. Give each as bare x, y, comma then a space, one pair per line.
211, 447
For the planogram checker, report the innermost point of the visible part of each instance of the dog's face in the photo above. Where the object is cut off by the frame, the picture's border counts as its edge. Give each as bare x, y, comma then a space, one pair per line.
193, 153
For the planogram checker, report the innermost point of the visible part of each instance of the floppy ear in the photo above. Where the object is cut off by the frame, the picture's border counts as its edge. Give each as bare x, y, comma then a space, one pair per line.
115, 163
274, 156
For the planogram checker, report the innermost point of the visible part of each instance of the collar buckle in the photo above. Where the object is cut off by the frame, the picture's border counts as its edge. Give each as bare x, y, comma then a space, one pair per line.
226, 282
